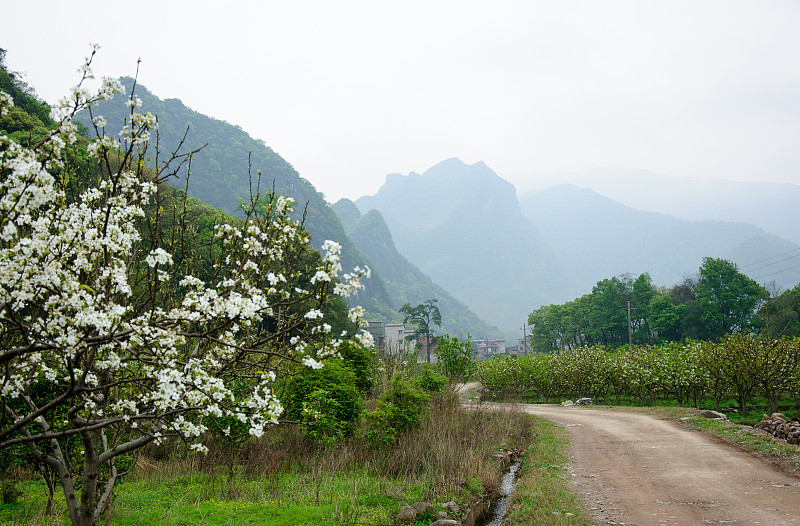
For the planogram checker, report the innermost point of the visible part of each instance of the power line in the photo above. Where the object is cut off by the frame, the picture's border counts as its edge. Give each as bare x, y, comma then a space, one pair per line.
769, 258
773, 263
777, 272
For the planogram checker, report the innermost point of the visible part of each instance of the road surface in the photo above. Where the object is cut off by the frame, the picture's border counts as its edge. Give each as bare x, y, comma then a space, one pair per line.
635, 469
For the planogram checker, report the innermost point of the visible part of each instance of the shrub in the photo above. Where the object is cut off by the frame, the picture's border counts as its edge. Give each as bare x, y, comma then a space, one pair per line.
455, 359
401, 408
358, 360
430, 381
327, 401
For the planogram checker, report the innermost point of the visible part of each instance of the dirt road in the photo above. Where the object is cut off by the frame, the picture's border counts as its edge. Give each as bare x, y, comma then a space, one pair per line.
632, 468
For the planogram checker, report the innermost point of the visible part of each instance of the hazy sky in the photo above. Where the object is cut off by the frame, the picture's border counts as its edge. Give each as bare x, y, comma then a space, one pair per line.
350, 91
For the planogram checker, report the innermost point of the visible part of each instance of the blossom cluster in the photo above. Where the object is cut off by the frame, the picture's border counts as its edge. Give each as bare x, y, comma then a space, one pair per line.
87, 301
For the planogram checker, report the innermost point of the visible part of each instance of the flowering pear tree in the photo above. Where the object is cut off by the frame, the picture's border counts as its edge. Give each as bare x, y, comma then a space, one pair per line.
119, 328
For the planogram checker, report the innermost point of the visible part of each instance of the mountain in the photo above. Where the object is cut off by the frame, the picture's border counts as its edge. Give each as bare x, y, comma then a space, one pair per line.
220, 175
597, 237
770, 206
462, 226
404, 282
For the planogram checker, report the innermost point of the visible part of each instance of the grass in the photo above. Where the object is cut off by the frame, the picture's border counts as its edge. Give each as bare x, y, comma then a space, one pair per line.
199, 500
171, 494
291, 498
283, 480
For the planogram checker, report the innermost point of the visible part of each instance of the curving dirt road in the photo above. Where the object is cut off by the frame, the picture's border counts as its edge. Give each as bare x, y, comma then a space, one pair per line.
635, 469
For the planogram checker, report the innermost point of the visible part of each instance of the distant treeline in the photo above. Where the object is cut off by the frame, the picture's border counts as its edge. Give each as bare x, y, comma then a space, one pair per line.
718, 300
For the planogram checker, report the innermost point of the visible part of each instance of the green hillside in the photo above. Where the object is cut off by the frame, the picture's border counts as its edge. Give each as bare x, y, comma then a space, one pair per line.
219, 175
29, 122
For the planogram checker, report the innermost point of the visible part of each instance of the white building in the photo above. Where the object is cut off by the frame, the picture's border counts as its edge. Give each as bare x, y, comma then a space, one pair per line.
391, 338
396, 342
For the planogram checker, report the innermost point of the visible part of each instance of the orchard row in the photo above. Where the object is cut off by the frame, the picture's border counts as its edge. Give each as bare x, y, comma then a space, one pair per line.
741, 367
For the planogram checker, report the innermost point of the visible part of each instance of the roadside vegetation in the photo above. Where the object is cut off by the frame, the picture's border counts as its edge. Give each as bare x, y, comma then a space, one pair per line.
741, 375
543, 495
717, 301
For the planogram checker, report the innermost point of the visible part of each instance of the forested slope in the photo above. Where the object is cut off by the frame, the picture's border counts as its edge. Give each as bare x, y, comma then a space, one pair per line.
229, 166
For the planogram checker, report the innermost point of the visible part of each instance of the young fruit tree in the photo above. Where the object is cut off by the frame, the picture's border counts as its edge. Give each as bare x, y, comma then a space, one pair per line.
455, 360
122, 323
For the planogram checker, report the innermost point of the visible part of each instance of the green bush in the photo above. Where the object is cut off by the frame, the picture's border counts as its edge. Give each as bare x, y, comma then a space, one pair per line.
327, 401
455, 359
359, 361
429, 380
401, 408
320, 418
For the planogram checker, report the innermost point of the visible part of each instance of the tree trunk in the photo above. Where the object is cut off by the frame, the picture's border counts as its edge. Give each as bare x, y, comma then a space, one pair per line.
772, 397
91, 468
49, 477
65, 479
428, 344
108, 512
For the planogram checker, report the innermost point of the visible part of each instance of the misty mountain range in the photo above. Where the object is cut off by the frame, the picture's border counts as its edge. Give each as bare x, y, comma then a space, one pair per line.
404, 282
464, 226
768, 205
597, 237
458, 233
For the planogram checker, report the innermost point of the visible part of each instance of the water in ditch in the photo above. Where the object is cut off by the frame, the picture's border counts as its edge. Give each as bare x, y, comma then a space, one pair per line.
498, 510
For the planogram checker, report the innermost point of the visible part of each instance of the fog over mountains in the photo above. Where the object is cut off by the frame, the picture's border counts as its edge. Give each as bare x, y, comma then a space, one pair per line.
464, 226
771, 206
404, 282
598, 237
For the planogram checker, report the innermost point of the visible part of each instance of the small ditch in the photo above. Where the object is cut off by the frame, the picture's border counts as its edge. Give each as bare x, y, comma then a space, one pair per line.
498, 509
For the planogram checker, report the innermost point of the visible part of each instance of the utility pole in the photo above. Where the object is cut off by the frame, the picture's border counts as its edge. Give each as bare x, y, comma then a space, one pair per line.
525, 337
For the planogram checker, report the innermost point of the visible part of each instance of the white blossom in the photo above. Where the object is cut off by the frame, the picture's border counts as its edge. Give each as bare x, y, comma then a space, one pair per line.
321, 275
158, 256
356, 314
311, 362
313, 314
6, 102
365, 339
199, 447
